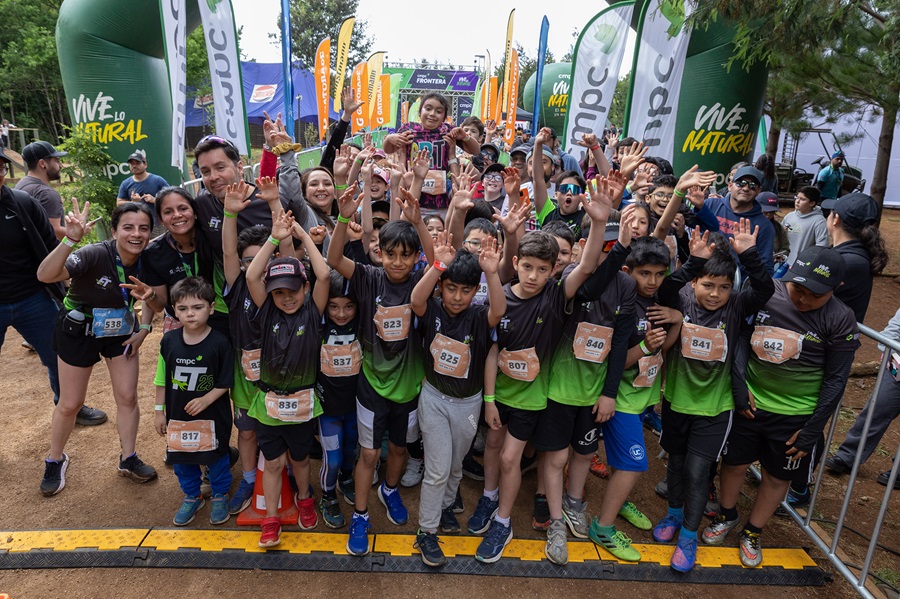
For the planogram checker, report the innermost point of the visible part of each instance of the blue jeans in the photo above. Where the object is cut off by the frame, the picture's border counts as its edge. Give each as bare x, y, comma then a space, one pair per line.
35, 318
190, 475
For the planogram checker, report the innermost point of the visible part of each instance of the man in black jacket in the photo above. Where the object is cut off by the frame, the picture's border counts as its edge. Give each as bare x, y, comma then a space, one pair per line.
26, 304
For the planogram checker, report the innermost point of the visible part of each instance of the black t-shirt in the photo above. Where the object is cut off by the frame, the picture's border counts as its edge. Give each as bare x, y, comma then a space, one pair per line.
290, 344
191, 371
18, 274
165, 265
242, 312
455, 348
573, 221
46, 196
211, 214
337, 394
95, 278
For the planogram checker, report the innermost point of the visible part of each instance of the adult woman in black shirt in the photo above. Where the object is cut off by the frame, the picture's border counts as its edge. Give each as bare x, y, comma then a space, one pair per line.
97, 320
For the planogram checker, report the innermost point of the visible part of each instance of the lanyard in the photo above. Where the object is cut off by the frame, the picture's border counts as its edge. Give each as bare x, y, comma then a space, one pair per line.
187, 268
120, 271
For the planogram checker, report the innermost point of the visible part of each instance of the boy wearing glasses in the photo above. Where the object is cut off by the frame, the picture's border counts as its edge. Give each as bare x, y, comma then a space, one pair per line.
740, 202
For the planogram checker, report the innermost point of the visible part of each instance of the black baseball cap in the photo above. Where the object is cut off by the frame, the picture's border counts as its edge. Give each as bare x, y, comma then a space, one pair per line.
519, 149
817, 268
748, 171
856, 209
768, 201
285, 273
40, 150
491, 148
139, 155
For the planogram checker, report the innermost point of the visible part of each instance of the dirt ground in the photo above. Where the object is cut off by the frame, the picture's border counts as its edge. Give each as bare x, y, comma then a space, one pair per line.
95, 497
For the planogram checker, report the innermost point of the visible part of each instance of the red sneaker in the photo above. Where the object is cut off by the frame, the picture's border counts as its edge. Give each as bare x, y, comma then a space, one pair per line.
271, 532
307, 508
598, 468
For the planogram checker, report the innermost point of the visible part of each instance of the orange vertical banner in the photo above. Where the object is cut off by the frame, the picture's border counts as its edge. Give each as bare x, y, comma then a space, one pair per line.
382, 102
360, 82
512, 101
490, 97
404, 113
323, 84
496, 103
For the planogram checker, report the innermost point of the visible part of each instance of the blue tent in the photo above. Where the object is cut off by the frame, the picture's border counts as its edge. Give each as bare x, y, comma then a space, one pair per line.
264, 91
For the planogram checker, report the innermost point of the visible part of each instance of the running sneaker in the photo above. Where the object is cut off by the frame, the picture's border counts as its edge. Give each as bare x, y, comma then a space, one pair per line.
796, 500
685, 555
662, 489
358, 538
331, 512
54, 476
557, 549
348, 490
748, 545
483, 516
540, 519
576, 517
667, 528
634, 516
618, 544
135, 469
307, 508
90, 416
712, 502
598, 468
241, 498
449, 523
429, 546
653, 422
494, 542
271, 532
415, 469
188, 510
472, 469
393, 503
715, 533
458, 506
526, 464
218, 511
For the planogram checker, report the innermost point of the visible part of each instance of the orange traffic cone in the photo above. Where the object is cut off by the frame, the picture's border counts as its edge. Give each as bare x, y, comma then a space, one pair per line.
254, 515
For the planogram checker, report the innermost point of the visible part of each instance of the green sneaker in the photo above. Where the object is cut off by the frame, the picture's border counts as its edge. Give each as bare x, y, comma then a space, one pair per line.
635, 516
618, 544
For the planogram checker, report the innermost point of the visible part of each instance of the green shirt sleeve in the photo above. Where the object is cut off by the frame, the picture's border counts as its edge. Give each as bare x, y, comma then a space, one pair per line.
160, 379
549, 207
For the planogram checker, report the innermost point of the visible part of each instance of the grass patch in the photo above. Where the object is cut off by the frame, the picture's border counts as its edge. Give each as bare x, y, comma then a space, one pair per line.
892, 577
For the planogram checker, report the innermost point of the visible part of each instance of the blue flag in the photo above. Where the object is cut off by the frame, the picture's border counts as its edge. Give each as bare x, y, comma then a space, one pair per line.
539, 75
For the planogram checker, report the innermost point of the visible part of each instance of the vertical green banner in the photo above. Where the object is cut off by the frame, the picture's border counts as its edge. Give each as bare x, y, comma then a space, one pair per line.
718, 110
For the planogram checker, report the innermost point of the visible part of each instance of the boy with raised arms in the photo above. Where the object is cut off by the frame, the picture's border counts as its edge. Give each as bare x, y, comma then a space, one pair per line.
800, 355
393, 369
698, 400
456, 337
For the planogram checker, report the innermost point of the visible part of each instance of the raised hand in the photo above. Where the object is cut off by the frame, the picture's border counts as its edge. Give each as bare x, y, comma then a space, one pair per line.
348, 204
138, 289
641, 184
511, 182
317, 234
700, 246
744, 236
588, 140
516, 216
599, 203
612, 139
544, 137
616, 182
348, 100
270, 128
632, 158
626, 225
367, 142
462, 197
77, 225
342, 162
421, 163
489, 258
409, 205
694, 177
490, 126
354, 231
443, 248
282, 224
696, 195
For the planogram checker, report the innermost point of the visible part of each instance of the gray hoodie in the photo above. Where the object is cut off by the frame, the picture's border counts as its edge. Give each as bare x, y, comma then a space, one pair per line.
805, 230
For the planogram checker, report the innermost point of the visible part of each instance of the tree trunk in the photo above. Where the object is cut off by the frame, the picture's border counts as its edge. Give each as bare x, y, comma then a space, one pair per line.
883, 156
773, 141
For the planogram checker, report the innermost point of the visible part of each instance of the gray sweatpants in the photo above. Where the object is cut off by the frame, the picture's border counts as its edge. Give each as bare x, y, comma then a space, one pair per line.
448, 425
886, 409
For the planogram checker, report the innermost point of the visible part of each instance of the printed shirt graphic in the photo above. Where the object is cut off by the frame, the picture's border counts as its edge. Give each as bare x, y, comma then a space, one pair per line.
290, 354
338, 394
95, 280
536, 322
631, 399
469, 328
394, 368
577, 382
793, 386
433, 140
191, 371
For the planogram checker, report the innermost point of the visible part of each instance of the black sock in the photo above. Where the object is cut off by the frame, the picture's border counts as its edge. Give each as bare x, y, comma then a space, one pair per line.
730, 513
752, 529
332, 494
362, 513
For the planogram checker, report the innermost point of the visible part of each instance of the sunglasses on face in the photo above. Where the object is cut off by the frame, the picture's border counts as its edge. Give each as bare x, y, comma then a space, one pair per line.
488, 155
747, 184
572, 188
217, 139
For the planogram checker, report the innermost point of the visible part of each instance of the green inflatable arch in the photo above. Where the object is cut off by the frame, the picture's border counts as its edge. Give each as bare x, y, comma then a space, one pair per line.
111, 57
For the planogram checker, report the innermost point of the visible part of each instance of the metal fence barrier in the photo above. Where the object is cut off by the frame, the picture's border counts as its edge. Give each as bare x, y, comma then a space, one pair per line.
858, 581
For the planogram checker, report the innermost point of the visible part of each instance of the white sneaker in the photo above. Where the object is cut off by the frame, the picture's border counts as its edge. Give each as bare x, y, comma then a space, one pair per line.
415, 469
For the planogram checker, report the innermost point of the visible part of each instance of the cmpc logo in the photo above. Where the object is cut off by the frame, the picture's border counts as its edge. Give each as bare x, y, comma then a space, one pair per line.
607, 36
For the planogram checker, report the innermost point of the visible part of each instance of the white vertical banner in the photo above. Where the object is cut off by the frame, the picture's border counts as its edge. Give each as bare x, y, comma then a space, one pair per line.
217, 17
174, 22
660, 53
595, 71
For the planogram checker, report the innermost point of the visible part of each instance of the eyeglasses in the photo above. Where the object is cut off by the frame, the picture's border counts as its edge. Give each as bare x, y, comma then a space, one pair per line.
473, 243
748, 184
496, 177
217, 139
661, 195
572, 188
3, 169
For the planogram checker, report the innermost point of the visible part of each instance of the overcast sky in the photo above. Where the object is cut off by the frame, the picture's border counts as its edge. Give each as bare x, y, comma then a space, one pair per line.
400, 33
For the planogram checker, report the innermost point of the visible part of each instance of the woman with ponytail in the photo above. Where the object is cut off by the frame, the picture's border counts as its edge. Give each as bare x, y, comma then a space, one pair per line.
852, 225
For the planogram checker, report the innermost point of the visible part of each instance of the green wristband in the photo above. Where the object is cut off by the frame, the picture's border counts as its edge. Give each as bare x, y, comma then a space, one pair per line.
274, 241
490, 398
644, 349
340, 187
229, 214
342, 219
678, 194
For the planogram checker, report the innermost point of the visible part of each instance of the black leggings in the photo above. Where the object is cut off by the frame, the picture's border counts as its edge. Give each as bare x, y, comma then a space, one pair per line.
687, 476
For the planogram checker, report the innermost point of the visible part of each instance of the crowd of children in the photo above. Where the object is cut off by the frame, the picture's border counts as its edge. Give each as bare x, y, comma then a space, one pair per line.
548, 310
